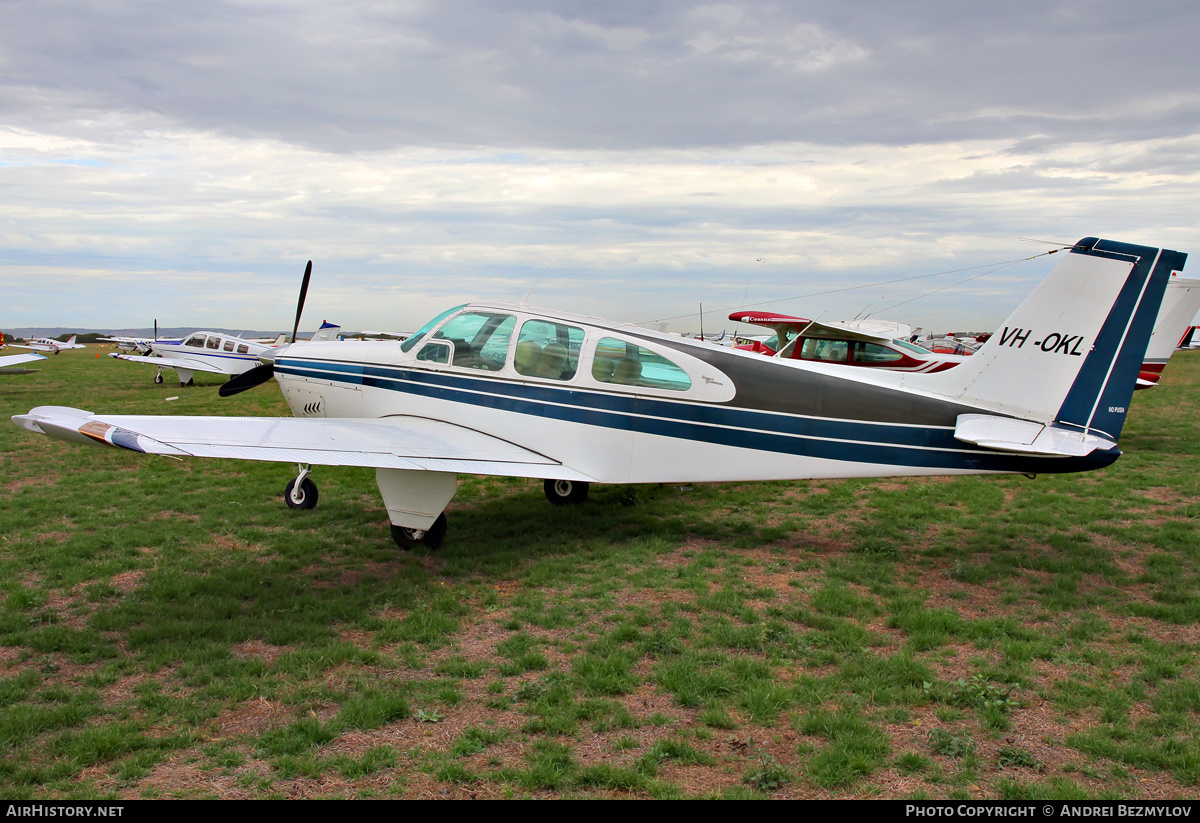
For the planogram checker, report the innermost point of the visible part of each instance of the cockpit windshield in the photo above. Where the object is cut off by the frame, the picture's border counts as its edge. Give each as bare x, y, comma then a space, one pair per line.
408, 344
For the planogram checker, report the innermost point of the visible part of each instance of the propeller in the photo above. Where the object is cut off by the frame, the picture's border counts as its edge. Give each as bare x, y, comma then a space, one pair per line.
261, 374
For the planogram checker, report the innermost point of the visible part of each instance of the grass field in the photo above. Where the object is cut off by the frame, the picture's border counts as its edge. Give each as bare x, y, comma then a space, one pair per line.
170, 629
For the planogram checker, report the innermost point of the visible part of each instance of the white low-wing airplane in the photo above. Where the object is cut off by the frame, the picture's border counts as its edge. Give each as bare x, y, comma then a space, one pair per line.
507, 390
50, 344
205, 351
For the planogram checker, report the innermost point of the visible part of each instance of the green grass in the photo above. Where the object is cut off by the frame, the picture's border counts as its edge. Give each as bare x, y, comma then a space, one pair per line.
168, 624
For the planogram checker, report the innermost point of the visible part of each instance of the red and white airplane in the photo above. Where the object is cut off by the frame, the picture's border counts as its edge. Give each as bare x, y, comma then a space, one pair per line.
878, 344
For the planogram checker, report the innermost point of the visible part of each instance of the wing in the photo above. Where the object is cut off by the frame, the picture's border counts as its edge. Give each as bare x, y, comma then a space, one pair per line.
389, 443
176, 363
870, 331
770, 320
14, 359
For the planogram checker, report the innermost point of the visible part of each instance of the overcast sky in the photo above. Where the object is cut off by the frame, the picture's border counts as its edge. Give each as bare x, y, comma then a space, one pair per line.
182, 161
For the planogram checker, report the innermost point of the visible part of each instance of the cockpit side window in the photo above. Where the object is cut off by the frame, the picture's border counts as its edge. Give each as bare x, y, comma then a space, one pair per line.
627, 364
196, 340
549, 350
480, 339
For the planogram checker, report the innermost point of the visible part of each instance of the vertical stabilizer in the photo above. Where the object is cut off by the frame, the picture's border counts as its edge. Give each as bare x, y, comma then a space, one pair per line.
1070, 353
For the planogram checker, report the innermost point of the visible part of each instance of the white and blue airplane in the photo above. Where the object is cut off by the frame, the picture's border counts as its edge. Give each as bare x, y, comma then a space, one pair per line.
497, 389
50, 344
204, 351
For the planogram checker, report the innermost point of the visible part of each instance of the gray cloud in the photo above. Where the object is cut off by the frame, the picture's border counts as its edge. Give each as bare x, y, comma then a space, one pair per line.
607, 75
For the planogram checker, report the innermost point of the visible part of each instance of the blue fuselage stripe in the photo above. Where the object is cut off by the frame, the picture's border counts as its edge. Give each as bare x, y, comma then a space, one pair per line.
843, 440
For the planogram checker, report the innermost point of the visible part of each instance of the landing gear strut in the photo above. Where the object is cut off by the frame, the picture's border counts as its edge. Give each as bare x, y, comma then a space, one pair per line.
301, 492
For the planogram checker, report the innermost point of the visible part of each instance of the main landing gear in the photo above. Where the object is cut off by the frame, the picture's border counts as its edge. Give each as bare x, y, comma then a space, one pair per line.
562, 492
301, 492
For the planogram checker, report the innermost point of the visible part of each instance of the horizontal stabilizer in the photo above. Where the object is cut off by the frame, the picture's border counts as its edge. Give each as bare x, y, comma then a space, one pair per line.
1013, 435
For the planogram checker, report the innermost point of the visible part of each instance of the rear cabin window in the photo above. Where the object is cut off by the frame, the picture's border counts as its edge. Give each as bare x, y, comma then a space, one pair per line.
480, 339
213, 343
243, 348
549, 350
627, 364
228, 345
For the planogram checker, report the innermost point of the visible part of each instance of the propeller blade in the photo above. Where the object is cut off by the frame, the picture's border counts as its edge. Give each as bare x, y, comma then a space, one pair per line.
300, 302
246, 380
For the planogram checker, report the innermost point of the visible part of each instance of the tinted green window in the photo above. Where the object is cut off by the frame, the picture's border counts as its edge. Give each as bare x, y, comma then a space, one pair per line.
480, 339
408, 344
627, 364
549, 350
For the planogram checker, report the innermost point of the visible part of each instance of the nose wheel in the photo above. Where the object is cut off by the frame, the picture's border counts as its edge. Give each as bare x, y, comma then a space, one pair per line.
430, 538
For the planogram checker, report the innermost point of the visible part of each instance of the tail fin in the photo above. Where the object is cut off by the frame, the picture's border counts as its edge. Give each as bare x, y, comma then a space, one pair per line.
1179, 306
1070, 353
328, 331
71, 342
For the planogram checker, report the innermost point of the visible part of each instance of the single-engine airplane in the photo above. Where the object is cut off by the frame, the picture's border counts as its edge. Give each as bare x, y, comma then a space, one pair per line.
204, 351
499, 389
50, 344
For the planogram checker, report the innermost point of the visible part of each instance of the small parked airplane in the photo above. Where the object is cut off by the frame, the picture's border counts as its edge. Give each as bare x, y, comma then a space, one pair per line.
205, 351
498, 389
879, 344
49, 344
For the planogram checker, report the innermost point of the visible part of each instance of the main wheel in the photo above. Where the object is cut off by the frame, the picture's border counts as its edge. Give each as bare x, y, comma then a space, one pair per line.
303, 498
430, 538
158, 378
561, 492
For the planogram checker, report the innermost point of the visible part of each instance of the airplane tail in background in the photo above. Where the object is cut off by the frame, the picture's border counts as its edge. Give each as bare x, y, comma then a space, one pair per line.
328, 331
71, 342
1179, 306
1068, 357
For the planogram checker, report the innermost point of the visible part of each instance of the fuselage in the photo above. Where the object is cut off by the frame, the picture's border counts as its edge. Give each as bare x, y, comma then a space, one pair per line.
231, 355
622, 404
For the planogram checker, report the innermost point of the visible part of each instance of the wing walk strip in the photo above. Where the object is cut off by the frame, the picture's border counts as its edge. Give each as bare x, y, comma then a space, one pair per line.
766, 437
